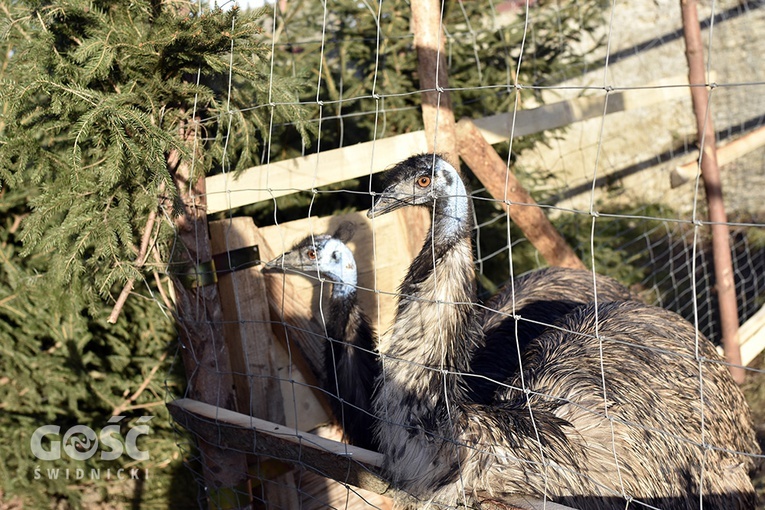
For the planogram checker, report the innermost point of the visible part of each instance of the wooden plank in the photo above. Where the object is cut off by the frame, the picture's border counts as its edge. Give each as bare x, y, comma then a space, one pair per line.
725, 154
248, 337
722, 260
436, 103
272, 180
233, 430
249, 322
437, 113
383, 249
751, 336
344, 463
497, 128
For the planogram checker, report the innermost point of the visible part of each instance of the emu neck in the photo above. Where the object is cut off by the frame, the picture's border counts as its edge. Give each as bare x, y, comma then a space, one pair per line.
342, 303
343, 292
351, 367
420, 393
348, 324
435, 318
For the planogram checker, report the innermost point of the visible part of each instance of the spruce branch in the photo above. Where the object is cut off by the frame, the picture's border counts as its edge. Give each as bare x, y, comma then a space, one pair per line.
126, 404
140, 260
165, 299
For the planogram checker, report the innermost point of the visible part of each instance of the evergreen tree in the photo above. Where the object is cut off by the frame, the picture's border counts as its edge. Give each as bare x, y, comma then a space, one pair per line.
93, 95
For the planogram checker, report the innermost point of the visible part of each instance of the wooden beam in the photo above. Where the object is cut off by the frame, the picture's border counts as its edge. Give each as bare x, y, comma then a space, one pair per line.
710, 175
751, 336
247, 334
500, 182
263, 369
272, 180
246, 324
342, 462
242, 433
205, 355
725, 154
437, 113
277, 179
497, 128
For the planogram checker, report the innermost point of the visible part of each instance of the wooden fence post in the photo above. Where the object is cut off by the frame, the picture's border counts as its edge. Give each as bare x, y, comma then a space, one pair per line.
204, 352
247, 329
437, 113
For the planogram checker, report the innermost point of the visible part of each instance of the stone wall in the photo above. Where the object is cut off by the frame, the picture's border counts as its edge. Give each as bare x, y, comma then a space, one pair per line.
632, 153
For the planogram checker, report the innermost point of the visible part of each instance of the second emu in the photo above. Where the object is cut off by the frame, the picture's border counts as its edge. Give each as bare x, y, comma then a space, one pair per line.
350, 360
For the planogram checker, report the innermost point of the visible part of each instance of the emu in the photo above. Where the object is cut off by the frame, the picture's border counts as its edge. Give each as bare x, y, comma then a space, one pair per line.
350, 359
349, 363
620, 402
522, 311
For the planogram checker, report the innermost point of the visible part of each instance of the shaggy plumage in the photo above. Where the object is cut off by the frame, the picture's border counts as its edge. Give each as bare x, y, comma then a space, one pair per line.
522, 311
618, 402
350, 362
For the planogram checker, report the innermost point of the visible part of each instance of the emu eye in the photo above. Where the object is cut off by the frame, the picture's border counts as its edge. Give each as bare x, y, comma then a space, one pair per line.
423, 181
311, 254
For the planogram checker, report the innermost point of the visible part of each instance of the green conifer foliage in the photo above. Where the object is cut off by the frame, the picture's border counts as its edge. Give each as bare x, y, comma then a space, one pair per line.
92, 95
95, 94
61, 367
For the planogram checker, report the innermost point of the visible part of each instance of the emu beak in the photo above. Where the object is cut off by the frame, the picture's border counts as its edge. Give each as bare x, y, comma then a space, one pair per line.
277, 265
386, 203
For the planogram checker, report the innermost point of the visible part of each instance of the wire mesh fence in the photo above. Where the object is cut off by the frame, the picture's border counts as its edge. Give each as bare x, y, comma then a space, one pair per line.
606, 175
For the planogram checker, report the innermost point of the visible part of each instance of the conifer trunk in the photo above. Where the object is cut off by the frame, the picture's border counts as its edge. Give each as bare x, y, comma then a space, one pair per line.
200, 322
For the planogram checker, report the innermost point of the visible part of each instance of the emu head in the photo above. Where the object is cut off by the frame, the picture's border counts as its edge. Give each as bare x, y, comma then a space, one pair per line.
427, 180
326, 256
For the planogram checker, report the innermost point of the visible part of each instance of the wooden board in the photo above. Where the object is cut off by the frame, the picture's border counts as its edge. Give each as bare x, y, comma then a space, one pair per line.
269, 181
251, 346
726, 154
346, 464
497, 128
272, 180
261, 364
356, 466
383, 248
751, 336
